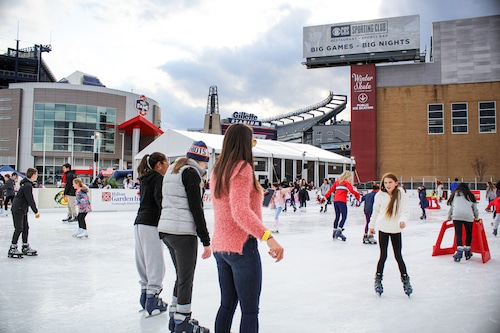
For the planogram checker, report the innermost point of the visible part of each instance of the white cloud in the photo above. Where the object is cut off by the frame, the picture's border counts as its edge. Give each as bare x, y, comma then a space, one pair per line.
173, 51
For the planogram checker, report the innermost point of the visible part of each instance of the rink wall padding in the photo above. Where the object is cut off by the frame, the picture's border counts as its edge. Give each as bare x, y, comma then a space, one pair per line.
102, 200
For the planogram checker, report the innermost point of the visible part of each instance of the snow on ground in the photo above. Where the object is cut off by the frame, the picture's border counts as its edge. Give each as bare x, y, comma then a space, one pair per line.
321, 285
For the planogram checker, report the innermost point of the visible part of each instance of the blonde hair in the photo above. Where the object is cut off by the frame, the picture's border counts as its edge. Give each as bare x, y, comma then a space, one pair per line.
80, 183
346, 175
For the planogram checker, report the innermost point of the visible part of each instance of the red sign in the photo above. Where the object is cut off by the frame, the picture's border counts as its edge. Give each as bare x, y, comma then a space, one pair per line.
363, 121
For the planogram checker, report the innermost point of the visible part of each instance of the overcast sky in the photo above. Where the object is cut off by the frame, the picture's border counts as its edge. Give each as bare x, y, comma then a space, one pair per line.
172, 50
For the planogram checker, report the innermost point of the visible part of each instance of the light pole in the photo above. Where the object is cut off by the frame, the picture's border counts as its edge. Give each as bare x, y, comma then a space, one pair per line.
352, 162
123, 151
303, 166
96, 138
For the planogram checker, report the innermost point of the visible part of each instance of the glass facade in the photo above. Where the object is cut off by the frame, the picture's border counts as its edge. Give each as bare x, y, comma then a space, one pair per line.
70, 127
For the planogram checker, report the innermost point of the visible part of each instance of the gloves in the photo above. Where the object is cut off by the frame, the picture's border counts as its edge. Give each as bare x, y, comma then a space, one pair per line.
477, 219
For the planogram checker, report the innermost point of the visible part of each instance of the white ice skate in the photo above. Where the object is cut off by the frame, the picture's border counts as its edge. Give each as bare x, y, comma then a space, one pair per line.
82, 234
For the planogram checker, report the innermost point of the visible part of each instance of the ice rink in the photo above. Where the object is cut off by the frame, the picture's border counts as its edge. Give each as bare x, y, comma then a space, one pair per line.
322, 285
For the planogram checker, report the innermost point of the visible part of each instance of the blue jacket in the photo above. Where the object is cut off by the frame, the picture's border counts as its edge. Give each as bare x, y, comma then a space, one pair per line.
369, 199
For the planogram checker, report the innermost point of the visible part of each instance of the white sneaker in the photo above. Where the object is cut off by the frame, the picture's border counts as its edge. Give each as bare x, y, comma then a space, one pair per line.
82, 234
79, 231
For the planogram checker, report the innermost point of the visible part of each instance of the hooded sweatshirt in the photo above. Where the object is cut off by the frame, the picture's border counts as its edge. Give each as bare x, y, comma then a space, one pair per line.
150, 199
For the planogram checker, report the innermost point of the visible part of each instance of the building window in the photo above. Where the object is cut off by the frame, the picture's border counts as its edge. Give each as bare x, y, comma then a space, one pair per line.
330, 133
318, 140
329, 140
487, 117
435, 118
69, 127
459, 120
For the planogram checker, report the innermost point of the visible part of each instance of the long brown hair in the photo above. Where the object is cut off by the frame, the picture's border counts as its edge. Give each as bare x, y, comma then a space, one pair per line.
394, 195
236, 147
179, 163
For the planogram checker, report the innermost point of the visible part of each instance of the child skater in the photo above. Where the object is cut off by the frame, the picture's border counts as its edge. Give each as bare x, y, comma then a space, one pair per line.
463, 211
83, 204
390, 213
20, 204
279, 201
368, 209
495, 203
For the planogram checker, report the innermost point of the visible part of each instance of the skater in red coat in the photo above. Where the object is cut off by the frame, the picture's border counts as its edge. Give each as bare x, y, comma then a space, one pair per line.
342, 187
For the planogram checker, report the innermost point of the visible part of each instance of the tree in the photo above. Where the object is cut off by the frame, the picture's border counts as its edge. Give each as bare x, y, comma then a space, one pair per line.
479, 165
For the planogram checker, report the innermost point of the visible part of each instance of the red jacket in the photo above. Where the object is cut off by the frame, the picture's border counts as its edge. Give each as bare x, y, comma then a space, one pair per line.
341, 190
495, 203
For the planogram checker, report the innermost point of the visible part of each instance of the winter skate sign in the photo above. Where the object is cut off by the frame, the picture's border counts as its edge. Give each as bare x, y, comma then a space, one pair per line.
142, 105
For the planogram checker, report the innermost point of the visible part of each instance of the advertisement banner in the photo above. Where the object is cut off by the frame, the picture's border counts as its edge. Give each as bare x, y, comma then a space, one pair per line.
383, 35
364, 121
115, 199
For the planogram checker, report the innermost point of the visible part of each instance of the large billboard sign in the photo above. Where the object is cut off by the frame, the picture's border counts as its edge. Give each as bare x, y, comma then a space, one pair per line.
367, 38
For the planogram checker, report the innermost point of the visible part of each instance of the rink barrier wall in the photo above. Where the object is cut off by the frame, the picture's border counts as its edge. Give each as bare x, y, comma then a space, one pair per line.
106, 200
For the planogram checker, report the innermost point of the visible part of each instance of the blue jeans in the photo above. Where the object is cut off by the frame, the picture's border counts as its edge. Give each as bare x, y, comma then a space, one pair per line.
240, 280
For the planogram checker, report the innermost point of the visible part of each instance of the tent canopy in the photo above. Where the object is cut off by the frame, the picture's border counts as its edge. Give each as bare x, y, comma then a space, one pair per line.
7, 169
175, 143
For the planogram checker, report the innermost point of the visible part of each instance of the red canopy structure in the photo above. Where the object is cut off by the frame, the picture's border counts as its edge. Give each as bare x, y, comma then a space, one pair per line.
147, 128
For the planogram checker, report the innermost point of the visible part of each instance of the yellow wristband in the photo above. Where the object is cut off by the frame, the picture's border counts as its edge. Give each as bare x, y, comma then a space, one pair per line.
266, 235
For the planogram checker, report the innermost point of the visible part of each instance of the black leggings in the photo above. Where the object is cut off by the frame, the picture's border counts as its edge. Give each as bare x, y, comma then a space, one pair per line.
81, 220
7, 199
383, 241
458, 232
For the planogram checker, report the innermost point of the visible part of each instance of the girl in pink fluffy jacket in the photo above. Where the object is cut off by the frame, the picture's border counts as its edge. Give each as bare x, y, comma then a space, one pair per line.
237, 202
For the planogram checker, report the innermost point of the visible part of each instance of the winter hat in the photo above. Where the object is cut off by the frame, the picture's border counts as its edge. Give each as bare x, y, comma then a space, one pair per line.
198, 151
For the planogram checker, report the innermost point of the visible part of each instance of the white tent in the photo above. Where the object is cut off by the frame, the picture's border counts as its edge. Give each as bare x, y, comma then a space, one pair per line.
175, 143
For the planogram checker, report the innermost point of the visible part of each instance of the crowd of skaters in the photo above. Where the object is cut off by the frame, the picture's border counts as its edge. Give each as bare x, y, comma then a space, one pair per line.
236, 234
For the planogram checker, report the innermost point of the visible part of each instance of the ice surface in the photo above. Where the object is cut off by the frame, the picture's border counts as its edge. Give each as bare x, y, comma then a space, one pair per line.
322, 285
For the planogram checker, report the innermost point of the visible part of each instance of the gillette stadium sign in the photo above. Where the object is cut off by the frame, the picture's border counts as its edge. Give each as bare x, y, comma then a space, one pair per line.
245, 118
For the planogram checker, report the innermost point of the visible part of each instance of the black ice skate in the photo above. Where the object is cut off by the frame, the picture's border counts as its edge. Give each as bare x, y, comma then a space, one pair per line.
189, 325
28, 251
14, 252
365, 239
458, 255
371, 239
337, 234
406, 284
467, 252
155, 305
379, 289
142, 300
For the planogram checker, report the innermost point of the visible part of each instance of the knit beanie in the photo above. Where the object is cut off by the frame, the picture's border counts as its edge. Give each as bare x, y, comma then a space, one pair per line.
198, 151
